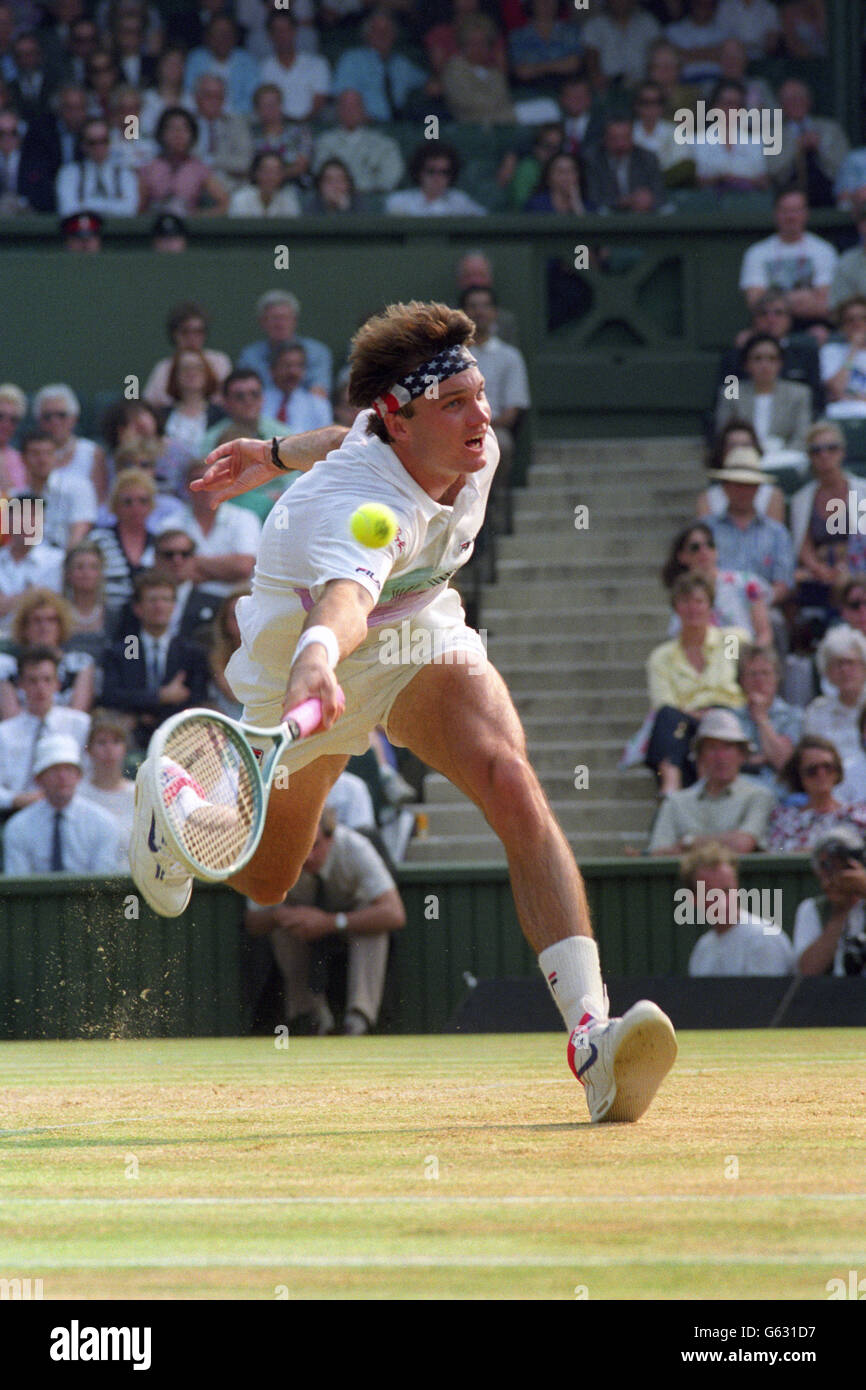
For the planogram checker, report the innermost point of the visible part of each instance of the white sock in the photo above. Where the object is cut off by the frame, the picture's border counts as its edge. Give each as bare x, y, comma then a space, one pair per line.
573, 973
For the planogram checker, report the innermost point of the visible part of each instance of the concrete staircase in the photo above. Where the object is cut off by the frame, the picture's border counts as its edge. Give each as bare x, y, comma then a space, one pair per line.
571, 620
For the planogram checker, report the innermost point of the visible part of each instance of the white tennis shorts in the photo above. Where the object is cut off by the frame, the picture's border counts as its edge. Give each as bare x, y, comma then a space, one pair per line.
371, 677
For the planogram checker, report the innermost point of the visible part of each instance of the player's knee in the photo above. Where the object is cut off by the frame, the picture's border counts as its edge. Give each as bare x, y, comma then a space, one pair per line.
514, 800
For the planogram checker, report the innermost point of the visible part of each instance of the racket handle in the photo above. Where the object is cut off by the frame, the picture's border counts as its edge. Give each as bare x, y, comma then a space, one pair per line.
307, 716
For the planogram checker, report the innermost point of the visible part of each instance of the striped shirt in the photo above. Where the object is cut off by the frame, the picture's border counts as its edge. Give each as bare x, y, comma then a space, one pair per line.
119, 569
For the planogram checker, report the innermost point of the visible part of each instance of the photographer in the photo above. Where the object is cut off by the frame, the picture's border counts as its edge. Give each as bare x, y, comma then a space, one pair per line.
830, 930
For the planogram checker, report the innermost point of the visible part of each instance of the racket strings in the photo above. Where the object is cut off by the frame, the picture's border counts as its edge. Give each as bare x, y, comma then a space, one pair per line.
210, 795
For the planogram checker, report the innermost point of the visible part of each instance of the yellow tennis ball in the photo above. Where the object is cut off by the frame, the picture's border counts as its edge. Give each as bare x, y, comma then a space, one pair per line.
374, 525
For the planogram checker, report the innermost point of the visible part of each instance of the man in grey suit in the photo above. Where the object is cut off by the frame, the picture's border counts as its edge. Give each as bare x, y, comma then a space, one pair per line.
620, 177
224, 143
780, 411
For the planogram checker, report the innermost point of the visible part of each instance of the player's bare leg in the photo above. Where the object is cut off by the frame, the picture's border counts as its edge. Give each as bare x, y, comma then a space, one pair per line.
290, 829
461, 721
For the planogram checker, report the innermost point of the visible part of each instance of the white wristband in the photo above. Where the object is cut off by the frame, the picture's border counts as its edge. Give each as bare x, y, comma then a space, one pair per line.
319, 634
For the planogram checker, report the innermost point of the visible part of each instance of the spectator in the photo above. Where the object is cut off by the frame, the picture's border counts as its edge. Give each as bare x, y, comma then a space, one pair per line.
82, 41
433, 169
69, 503
651, 132
97, 183
21, 735
287, 401
82, 233
813, 147
61, 832
160, 675
829, 930
224, 142
168, 92
186, 327
352, 803
192, 384
224, 643
842, 659
822, 549
771, 725
132, 431
176, 180
617, 43
334, 191
277, 312
373, 159
804, 28
221, 53
579, 120
699, 40
722, 805
770, 314
547, 47
102, 78
813, 774
474, 87
226, 537
739, 600
124, 149
506, 386
739, 434
744, 540
852, 604
852, 788
105, 785
35, 82
441, 44
850, 186
13, 199
734, 64
304, 80
84, 590
476, 268
686, 676
56, 409
174, 555
128, 31
384, 78
739, 943
522, 175
353, 892
13, 408
736, 165
127, 543
26, 563
792, 262
755, 23
780, 411
843, 365
273, 131
243, 396
849, 277
268, 194
664, 67
559, 187
42, 618
619, 177
51, 140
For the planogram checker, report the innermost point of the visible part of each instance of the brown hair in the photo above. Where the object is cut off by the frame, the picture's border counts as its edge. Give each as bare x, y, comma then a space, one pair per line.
172, 385
151, 579
27, 606
687, 584
104, 721
791, 770
392, 344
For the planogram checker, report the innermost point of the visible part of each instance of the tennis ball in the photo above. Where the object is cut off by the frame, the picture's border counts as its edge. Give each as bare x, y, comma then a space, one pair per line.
374, 525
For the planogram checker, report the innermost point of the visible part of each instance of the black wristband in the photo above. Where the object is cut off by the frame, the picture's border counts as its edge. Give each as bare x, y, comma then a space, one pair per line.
275, 455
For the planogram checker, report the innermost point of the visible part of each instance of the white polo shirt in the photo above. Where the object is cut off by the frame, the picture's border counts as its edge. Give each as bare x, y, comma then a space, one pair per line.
752, 947
236, 531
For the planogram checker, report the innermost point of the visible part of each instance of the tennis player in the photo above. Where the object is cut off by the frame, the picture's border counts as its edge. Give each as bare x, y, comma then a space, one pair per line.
321, 609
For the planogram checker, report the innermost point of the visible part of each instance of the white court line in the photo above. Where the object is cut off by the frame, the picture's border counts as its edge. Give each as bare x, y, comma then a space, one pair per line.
566, 1199
574, 1262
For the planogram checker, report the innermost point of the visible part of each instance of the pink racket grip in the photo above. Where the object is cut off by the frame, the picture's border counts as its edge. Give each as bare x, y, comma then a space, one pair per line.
307, 716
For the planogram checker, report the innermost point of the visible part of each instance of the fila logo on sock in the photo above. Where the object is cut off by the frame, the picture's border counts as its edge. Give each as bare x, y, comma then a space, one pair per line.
551, 980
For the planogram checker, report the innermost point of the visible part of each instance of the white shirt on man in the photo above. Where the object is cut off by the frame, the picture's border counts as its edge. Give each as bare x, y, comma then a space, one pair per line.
774, 264
88, 840
308, 77
109, 189
303, 410
506, 383
751, 947
410, 202
19, 737
236, 531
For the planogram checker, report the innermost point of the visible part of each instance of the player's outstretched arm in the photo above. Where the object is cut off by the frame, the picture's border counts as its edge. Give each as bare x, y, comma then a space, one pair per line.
242, 464
343, 609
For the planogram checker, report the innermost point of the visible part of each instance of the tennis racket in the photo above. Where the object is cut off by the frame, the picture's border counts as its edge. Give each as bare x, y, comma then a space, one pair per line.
211, 777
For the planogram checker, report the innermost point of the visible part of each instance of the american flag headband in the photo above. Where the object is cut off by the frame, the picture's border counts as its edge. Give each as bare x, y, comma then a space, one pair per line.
446, 363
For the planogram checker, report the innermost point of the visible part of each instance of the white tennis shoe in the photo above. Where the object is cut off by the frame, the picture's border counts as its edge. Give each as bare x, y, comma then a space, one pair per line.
164, 883
621, 1062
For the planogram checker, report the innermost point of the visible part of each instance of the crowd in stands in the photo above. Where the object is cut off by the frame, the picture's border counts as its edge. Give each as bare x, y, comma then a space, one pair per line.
179, 111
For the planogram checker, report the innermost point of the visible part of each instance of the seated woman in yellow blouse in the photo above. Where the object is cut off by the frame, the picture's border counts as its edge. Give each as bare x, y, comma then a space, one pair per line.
696, 670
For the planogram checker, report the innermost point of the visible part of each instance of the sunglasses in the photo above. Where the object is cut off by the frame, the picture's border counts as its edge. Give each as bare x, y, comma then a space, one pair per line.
175, 554
814, 768
694, 546
854, 603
